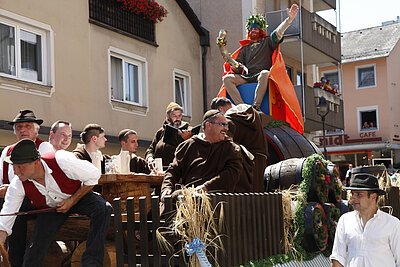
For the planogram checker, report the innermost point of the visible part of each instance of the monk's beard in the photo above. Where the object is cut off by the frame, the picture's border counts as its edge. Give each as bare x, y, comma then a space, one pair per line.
176, 124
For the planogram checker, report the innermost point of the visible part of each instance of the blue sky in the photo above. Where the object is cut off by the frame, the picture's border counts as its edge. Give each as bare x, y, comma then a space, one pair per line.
360, 14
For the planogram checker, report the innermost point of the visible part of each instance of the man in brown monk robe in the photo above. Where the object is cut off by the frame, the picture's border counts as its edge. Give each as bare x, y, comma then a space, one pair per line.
249, 133
159, 147
209, 161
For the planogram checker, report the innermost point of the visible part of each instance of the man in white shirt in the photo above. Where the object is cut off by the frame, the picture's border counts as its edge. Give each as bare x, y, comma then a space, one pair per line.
366, 237
128, 140
57, 180
60, 135
94, 138
348, 175
25, 125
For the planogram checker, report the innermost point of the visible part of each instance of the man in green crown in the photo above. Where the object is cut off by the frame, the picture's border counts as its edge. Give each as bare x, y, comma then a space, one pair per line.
254, 58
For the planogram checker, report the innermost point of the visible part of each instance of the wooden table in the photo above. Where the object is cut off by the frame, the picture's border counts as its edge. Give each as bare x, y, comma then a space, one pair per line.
129, 185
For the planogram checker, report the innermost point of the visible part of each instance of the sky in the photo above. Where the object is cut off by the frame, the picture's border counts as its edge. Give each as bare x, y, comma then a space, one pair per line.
361, 14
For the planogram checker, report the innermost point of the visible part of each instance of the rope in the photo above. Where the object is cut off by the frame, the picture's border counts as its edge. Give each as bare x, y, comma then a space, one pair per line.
28, 213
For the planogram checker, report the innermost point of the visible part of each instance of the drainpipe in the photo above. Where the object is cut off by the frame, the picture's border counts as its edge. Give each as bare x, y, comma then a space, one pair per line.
205, 43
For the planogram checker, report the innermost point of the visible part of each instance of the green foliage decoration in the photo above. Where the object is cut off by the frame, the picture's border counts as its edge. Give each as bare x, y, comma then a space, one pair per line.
277, 124
257, 19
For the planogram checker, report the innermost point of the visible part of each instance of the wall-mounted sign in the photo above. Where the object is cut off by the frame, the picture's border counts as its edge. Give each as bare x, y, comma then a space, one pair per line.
338, 140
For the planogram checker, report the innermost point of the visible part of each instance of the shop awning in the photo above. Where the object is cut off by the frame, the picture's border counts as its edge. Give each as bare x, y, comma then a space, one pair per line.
376, 146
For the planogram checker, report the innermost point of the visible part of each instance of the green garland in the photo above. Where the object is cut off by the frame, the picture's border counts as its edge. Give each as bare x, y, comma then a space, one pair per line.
277, 124
257, 19
320, 231
332, 218
304, 188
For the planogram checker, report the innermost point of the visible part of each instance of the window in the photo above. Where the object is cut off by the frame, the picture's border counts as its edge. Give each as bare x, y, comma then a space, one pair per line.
182, 94
368, 118
299, 78
128, 80
289, 72
333, 77
25, 49
366, 76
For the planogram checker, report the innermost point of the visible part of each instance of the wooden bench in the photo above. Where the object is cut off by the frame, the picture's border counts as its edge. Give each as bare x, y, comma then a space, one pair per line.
74, 230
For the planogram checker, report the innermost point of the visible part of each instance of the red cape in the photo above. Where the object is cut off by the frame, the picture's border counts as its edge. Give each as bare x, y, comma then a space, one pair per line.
284, 104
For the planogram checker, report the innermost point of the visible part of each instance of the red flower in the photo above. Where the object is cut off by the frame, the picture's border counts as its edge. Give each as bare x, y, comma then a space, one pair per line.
327, 179
148, 9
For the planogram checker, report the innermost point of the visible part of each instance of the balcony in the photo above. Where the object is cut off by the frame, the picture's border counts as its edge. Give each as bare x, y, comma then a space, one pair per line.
318, 5
108, 14
334, 119
321, 41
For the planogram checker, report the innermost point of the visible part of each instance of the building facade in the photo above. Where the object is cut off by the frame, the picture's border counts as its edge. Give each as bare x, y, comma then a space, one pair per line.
92, 62
371, 93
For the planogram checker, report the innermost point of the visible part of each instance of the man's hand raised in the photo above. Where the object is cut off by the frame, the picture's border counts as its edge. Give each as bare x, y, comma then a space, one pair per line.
292, 12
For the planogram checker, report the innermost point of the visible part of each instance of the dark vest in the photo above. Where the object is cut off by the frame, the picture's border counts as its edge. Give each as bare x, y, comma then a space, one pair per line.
6, 179
67, 185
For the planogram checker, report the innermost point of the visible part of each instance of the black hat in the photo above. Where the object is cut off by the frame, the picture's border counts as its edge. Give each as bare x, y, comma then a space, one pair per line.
211, 113
23, 152
26, 115
365, 182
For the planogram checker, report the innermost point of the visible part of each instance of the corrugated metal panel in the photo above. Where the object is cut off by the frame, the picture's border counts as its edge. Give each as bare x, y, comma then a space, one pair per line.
319, 261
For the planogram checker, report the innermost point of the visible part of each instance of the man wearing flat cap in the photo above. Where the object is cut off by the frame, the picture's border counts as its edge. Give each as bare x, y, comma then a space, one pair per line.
209, 161
55, 180
159, 148
367, 236
25, 125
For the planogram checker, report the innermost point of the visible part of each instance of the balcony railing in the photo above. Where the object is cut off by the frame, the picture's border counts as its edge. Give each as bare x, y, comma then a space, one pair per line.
334, 119
109, 14
318, 34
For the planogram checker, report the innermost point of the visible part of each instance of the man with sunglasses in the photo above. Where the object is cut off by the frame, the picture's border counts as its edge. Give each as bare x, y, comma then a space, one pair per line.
208, 161
366, 236
248, 133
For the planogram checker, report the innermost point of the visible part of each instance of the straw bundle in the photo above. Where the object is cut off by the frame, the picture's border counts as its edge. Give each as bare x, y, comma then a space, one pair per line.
289, 198
4, 257
194, 223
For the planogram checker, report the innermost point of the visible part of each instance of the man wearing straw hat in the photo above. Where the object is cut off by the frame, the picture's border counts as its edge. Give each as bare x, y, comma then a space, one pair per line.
56, 180
366, 236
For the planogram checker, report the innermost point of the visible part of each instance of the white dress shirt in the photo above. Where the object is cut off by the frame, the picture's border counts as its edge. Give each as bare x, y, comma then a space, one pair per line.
44, 147
74, 168
375, 244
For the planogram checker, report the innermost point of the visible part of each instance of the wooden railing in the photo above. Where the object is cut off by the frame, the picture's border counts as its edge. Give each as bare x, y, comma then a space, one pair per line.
253, 229
109, 14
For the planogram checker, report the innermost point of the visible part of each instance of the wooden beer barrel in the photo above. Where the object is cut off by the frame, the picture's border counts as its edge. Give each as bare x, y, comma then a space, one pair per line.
283, 174
285, 143
315, 228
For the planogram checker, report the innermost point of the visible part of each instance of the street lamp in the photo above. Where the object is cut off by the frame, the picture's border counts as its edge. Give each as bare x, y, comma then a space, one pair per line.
322, 111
